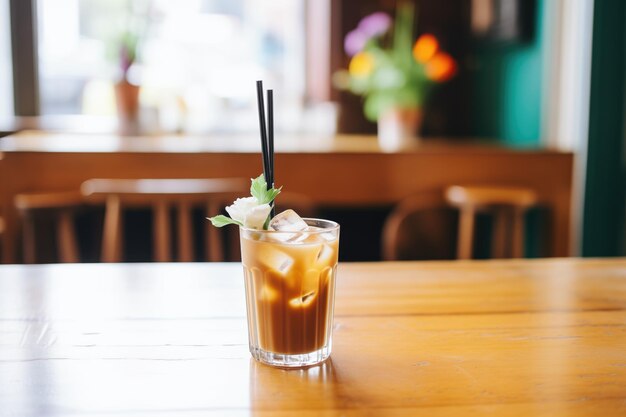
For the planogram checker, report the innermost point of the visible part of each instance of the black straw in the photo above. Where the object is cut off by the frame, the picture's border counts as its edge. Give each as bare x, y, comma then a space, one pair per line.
270, 143
266, 162
267, 136
270, 134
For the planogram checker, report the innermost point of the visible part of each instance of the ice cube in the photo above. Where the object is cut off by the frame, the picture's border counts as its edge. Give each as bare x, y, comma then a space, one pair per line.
294, 237
282, 237
305, 237
275, 259
325, 254
310, 281
268, 293
285, 265
317, 235
303, 300
325, 276
312, 237
295, 229
288, 221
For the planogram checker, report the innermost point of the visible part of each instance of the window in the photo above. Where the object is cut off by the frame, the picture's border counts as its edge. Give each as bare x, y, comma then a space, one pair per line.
197, 59
6, 73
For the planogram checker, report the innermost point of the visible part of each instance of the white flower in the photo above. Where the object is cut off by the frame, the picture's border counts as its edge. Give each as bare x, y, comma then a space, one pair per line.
249, 212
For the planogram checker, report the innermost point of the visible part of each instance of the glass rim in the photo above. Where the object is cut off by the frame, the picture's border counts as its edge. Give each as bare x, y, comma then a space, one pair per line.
333, 227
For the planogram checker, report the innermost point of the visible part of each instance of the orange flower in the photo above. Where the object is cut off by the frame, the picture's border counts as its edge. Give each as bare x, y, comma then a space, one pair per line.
361, 65
425, 48
441, 67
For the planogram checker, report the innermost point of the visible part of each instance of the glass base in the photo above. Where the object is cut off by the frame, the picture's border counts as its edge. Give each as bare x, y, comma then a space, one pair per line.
290, 361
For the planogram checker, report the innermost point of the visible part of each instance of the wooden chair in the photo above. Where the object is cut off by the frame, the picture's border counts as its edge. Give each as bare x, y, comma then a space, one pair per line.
62, 207
161, 195
508, 205
414, 230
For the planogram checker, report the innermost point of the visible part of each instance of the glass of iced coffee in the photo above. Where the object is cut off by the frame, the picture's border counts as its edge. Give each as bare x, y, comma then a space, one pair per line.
289, 267
290, 289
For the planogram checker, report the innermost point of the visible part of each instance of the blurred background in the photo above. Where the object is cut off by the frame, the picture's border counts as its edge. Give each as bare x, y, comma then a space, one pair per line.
523, 75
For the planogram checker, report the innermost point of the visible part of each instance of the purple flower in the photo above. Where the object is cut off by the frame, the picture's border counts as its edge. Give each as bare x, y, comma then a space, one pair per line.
125, 59
375, 24
355, 42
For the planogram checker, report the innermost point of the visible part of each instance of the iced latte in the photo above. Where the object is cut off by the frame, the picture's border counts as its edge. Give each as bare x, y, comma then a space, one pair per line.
290, 282
289, 267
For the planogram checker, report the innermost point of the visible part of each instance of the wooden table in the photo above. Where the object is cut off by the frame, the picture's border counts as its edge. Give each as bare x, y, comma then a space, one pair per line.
502, 338
343, 171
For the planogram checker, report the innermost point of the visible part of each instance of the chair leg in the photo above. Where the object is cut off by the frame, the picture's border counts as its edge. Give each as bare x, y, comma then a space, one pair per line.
28, 239
161, 229
499, 239
214, 246
111, 237
66, 237
466, 233
185, 237
517, 235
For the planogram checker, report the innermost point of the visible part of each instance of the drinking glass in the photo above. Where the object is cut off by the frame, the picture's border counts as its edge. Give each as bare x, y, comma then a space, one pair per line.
290, 292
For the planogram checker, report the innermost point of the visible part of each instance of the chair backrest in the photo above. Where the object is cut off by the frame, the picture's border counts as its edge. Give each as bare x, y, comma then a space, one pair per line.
401, 238
161, 195
508, 205
61, 206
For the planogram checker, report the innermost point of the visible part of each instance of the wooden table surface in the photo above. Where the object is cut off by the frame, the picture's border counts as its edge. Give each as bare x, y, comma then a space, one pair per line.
344, 171
502, 338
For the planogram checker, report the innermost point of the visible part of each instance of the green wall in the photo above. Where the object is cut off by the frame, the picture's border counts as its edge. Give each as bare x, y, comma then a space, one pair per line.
604, 221
506, 88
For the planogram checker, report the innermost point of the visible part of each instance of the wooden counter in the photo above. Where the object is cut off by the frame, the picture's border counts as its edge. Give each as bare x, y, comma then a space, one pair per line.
344, 171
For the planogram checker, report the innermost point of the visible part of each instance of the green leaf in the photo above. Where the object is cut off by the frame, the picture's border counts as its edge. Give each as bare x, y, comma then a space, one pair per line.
221, 221
259, 190
403, 34
271, 194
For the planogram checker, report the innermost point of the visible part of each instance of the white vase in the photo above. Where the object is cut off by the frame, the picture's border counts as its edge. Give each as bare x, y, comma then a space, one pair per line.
397, 128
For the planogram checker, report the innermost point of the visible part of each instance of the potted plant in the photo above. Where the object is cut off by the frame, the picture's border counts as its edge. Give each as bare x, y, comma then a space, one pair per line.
393, 73
126, 92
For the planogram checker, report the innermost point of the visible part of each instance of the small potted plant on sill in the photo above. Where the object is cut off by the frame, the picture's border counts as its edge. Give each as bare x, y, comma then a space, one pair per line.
126, 92
393, 73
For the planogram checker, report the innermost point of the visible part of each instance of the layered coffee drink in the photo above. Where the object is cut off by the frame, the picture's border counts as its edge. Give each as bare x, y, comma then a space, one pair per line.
289, 267
290, 282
